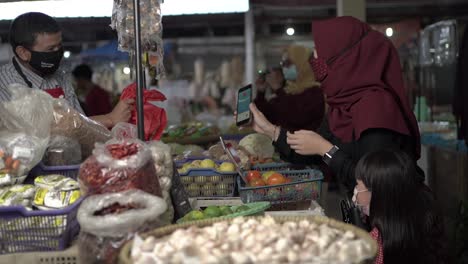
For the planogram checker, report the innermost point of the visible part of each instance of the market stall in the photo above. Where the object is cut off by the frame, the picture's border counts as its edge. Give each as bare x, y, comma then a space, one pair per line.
71, 188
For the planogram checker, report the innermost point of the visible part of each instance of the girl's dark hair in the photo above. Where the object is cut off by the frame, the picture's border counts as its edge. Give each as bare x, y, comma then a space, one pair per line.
25, 28
401, 208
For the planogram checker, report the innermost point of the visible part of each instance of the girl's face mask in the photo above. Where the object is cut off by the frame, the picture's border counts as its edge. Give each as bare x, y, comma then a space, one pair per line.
365, 208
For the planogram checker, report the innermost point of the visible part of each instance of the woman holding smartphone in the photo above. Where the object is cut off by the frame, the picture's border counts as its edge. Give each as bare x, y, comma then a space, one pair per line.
297, 101
360, 74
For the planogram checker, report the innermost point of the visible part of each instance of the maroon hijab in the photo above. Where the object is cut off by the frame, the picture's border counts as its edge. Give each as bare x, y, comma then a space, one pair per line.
364, 86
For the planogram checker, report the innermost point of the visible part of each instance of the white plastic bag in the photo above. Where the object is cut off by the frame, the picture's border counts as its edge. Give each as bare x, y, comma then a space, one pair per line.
104, 231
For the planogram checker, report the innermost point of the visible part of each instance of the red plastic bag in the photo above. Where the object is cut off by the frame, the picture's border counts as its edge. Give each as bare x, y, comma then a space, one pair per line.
155, 117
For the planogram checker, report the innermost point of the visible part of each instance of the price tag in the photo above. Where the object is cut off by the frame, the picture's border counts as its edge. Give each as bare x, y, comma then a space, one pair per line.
21, 152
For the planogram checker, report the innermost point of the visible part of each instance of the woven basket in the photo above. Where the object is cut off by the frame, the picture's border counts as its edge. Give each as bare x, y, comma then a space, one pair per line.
124, 257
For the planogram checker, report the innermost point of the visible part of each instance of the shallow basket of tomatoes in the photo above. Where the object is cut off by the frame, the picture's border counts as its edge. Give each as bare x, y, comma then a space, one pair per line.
300, 185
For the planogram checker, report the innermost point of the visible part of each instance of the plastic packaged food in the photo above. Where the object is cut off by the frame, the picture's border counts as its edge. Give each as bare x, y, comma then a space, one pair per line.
109, 220
151, 30
118, 166
9, 198
56, 182
46, 199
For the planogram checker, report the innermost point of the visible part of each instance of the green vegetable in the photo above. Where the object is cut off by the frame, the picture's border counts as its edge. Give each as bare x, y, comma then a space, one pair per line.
212, 211
242, 208
226, 210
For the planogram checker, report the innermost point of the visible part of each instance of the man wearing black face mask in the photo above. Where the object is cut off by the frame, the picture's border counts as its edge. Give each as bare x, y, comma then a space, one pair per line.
36, 40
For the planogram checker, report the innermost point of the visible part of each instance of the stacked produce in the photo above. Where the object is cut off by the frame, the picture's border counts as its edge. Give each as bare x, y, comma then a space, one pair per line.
208, 178
281, 186
225, 211
255, 240
207, 164
187, 131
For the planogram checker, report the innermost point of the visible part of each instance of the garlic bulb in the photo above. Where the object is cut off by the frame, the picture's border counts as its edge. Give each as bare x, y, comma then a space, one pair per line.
260, 240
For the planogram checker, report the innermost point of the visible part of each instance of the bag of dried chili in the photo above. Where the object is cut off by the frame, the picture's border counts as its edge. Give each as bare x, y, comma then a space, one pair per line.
118, 166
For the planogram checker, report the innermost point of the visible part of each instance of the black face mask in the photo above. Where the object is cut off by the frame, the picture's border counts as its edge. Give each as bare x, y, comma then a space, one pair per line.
46, 63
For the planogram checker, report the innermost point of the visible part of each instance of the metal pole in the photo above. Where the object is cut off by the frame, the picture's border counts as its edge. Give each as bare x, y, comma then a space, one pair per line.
139, 71
249, 31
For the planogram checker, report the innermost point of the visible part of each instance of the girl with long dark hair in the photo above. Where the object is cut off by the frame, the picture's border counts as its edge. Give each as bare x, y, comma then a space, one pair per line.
400, 209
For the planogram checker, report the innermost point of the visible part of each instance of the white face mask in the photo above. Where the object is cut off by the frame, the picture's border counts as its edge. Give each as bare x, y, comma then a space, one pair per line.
364, 208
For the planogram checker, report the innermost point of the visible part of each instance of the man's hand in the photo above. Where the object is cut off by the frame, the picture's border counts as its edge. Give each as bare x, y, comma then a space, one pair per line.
122, 111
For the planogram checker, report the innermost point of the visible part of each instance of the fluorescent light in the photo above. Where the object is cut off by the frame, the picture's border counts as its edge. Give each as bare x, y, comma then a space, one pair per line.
389, 32
67, 54
290, 31
103, 8
63, 8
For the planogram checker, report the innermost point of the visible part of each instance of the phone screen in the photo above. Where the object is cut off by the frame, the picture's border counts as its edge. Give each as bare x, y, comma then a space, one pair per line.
244, 98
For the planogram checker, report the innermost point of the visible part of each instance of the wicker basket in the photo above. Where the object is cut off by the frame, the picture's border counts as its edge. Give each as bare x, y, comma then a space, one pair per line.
124, 257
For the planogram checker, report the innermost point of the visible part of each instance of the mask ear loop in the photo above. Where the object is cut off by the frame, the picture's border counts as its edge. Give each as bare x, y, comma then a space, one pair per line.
333, 58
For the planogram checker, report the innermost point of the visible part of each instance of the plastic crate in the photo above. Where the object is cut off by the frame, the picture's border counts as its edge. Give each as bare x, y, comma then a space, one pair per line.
209, 183
70, 171
25, 231
305, 185
277, 166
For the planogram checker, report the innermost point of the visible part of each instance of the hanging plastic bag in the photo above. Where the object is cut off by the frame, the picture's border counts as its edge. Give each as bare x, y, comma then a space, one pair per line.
107, 221
155, 118
118, 166
151, 30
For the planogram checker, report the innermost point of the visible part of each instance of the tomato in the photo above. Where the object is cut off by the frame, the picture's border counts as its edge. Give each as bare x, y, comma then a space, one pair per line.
276, 178
253, 174
257, 183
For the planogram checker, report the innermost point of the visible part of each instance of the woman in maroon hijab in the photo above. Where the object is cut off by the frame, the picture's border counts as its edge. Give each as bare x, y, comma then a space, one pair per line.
360, 74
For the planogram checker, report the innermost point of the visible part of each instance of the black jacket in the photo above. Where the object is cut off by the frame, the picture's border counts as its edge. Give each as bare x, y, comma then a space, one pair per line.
345, 159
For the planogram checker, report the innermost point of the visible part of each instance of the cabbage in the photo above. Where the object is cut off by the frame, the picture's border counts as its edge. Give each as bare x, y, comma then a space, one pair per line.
258, 145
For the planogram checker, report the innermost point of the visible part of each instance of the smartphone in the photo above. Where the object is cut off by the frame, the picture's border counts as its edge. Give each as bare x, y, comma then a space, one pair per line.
244, 98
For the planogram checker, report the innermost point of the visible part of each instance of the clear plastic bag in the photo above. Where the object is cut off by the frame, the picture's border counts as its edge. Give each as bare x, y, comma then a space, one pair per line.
163, 162
151, 30
122, 131
31, 108
19, 153
62, 151
107, 221
117, 166
24, 132
70, 123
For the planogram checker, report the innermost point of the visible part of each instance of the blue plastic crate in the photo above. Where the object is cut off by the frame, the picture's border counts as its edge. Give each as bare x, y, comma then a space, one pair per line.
272, 166
24, 231
70, 171
209, 183
305, 185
